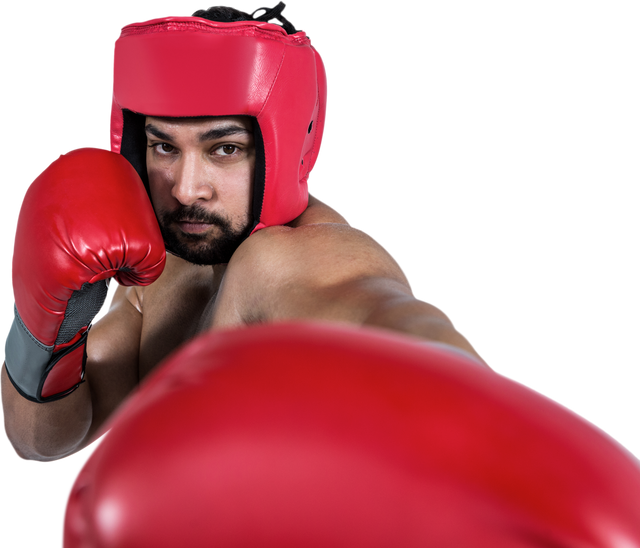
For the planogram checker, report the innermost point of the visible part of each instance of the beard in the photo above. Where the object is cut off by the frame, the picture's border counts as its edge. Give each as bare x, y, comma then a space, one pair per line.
201, 249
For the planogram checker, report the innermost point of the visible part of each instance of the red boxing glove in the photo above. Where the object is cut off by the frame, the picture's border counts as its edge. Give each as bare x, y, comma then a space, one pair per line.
314, 435
87, 218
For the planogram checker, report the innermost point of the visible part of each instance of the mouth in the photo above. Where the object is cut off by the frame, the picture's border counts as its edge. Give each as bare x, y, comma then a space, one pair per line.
193, 227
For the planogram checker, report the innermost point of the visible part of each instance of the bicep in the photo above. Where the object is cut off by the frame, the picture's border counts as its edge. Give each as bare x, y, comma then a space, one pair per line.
113, 349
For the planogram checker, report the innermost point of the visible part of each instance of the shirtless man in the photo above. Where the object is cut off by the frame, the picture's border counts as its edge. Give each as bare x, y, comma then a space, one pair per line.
224, 153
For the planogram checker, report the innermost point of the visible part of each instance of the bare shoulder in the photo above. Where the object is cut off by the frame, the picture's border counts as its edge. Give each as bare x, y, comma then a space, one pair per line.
309, 270
326, 251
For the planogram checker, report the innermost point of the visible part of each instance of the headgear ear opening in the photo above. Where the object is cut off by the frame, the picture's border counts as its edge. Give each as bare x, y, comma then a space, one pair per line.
134, 143
258, 175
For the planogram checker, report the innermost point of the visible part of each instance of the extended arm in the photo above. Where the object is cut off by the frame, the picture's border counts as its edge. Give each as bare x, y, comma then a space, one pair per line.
329, 272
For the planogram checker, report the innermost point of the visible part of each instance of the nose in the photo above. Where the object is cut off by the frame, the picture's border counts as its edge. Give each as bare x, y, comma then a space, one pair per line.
191, 181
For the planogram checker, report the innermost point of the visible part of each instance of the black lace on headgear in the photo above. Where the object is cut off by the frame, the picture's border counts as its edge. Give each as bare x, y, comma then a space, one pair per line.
229, 15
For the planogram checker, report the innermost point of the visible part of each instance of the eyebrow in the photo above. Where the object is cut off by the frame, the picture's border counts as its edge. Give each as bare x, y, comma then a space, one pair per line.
211, 135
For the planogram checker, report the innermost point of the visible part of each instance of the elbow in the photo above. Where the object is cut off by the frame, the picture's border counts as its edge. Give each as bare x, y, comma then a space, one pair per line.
32, 448
21, 442
45, 431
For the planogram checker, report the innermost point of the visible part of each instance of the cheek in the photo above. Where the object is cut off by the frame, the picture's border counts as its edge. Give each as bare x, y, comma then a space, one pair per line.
246, 184
158, 178
154, 187
237, 188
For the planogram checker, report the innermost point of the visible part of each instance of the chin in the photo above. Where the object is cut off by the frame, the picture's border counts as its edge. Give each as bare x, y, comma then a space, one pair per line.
205, 250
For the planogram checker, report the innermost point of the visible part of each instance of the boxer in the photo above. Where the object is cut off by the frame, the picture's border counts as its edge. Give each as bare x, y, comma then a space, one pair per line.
219, 117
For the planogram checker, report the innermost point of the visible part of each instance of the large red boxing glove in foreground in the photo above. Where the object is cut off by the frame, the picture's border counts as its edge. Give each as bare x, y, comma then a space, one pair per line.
316, 436
85, 219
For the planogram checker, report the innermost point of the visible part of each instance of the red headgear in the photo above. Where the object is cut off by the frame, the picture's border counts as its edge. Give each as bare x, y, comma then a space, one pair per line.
189, 66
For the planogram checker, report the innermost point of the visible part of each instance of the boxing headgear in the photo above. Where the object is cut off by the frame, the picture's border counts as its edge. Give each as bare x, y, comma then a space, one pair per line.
189, 66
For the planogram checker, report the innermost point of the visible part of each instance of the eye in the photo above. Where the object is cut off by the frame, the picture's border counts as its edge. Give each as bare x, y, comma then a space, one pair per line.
162, 148
227, 150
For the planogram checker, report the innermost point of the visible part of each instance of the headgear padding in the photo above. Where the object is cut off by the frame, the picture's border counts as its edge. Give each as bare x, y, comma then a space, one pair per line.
188, 66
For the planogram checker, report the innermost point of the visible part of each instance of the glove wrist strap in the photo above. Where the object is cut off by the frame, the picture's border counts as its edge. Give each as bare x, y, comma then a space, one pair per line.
30, 364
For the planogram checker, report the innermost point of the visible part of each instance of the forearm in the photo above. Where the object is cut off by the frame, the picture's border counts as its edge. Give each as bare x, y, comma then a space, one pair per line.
46, 431
406, 314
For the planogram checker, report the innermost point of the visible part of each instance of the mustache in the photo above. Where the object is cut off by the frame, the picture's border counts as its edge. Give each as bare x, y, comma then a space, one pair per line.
194, 214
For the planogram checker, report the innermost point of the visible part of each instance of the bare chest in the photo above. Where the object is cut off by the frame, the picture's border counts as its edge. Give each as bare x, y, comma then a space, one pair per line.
175, 309
188, 299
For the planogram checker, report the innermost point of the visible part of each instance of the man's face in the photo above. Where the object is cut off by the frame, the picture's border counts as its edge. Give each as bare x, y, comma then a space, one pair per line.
201, 180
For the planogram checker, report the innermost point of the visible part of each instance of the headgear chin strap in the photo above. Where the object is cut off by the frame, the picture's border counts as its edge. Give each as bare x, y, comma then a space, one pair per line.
189, 66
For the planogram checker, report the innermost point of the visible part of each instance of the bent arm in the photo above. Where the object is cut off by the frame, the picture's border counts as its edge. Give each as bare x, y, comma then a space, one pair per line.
46, 431
49, 431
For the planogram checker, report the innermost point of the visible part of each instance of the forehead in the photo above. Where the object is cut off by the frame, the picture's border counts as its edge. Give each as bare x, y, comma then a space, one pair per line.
199, 124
